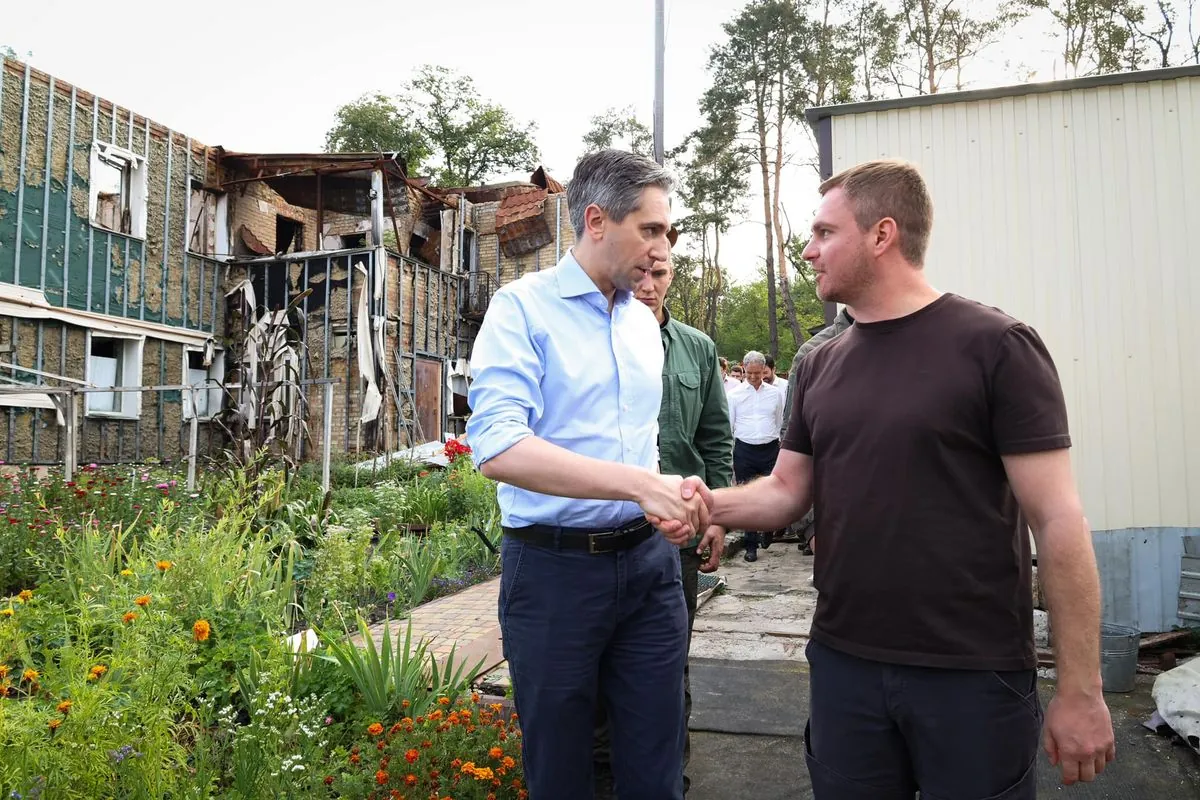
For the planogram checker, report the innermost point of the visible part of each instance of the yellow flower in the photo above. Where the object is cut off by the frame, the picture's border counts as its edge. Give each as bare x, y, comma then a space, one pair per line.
201, 629
25, 595
3, 670
6, 612
127, 573
163, 566
54, 723
30, 675
142, 601
97, 672
64, 707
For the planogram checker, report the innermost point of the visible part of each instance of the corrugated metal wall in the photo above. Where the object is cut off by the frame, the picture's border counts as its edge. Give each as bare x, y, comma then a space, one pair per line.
1071, 211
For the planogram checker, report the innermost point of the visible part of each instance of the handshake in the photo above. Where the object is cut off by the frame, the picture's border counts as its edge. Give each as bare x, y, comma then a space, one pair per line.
681, 508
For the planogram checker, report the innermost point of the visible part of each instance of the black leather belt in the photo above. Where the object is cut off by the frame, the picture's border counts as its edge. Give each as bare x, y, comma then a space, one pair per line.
590, 539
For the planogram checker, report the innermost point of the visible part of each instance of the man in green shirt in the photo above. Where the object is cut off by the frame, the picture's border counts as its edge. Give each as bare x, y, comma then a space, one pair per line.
694, 438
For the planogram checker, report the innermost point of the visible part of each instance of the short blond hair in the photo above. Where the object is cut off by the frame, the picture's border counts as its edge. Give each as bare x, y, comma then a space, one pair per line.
889, 188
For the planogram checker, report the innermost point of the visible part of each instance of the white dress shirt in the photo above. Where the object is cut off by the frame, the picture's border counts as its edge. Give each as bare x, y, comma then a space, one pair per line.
756, 416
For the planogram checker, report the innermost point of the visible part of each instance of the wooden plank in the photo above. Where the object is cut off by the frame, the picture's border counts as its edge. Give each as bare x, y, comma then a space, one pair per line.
428, 384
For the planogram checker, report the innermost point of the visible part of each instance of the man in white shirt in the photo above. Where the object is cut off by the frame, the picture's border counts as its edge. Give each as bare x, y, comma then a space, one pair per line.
756, 416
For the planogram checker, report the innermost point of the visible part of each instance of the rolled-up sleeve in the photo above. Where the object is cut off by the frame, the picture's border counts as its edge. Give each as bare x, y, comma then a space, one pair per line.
505, 394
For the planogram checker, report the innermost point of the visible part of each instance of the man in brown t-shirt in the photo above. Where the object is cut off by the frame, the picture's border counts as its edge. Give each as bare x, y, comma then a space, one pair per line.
921, 435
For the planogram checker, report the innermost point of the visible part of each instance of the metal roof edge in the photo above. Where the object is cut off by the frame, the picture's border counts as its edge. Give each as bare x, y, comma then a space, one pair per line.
812, 115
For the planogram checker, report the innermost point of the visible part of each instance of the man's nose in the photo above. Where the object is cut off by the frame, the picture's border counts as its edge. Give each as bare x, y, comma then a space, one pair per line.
660, 248
810, 250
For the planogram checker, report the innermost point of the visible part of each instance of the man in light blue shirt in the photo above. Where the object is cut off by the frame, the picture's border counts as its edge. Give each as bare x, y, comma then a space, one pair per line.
565, 399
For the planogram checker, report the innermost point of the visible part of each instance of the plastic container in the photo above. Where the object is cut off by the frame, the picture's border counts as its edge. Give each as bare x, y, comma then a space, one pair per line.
1118, 656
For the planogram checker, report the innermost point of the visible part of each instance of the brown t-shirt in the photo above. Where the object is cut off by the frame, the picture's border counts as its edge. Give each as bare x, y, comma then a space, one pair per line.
922, 558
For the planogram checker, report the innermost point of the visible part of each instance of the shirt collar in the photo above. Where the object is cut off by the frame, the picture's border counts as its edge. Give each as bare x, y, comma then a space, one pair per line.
574, 282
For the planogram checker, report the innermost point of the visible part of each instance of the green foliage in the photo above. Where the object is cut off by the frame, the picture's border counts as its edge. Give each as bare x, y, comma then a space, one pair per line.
440, 121
742, 320
620, 129
374, 123
400, 677
149, 654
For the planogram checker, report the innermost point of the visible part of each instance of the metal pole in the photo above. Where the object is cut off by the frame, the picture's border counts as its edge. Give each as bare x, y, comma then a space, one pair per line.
377, 209
659, 48
71, 434
327, 434
193, 439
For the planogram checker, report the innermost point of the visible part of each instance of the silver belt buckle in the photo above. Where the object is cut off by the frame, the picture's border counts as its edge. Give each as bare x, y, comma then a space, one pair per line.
593, 537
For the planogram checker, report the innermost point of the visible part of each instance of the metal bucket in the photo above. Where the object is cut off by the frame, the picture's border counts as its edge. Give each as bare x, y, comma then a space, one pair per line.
1118, 656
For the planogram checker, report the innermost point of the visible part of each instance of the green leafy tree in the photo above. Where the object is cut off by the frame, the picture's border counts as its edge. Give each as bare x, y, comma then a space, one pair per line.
619, 128
443, 125
374, 123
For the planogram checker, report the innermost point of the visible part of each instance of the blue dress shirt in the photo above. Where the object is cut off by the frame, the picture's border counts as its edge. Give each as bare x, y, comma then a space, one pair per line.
551, 361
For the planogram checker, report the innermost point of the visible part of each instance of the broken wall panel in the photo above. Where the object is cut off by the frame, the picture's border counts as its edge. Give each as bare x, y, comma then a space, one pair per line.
50, 134
156, 430
493, 256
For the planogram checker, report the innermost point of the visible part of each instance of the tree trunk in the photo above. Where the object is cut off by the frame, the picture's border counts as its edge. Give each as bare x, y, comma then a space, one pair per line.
789, 302
714, 291
764, 169
930, 64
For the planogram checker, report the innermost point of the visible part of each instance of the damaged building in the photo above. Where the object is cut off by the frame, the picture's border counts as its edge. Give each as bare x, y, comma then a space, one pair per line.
154, 289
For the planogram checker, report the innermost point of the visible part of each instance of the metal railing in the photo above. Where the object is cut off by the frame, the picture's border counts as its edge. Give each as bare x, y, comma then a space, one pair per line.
67, 403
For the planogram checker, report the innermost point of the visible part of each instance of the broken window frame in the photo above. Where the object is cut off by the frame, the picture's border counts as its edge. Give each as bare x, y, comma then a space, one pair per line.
218, 225
121, 405
134, 192
214, 378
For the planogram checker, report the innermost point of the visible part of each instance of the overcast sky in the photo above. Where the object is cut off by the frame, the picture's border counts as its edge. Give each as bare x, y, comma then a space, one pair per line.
267, 76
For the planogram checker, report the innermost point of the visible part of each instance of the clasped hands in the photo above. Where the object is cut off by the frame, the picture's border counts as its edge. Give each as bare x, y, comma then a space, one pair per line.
680, 508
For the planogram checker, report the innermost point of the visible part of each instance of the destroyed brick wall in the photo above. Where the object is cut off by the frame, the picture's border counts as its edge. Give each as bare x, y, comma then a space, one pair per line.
51, 135
493, 259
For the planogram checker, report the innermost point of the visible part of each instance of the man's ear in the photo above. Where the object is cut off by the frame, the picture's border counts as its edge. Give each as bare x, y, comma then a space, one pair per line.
594, 221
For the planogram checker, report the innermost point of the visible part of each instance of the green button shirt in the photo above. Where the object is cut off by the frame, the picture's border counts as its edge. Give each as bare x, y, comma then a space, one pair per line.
694, 437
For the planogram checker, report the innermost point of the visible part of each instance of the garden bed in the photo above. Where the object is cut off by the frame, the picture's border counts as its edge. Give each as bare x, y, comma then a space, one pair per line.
147, 635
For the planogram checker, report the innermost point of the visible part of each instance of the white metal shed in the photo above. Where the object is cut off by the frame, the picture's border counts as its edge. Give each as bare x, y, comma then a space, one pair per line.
1075, 206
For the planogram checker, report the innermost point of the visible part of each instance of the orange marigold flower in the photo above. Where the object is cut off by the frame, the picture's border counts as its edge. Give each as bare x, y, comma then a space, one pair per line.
434, 716
201, 629
380, 745
410, 779
355, 758
328, 780
383, 762
29, 675
495, 752
381, 777
425, 745
394, 729
491, 796
128, 616
468, 767
508, 762
97, 672
54, 723
405, 704
497, 707
65, 707
443, 701
411, 756
163, 566
25, 595
374, 729
142, 601
3, 670
433, 773
420, 720
456, 763
522, 795
474, 697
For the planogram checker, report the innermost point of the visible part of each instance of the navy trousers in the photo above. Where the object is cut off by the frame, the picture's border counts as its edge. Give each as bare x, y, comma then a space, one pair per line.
581, 629
884, 732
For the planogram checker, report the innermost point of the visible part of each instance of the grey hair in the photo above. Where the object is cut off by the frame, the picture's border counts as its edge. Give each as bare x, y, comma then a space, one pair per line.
754, 357
614, 181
